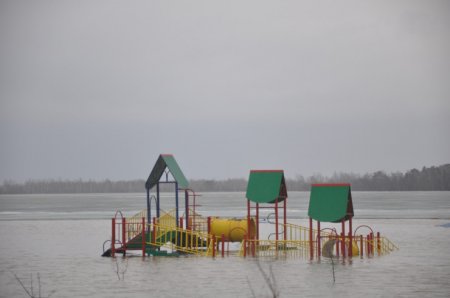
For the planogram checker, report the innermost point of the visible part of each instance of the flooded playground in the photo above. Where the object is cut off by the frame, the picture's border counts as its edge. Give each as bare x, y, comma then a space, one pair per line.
61, 237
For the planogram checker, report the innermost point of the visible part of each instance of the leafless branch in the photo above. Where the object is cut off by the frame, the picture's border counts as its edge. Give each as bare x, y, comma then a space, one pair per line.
121, 270
251, 288
271, 283
30, 291
23, 286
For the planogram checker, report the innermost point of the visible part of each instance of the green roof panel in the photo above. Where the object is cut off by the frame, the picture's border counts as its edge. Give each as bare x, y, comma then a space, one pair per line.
330, 202
266, 186
166, 161
175, 171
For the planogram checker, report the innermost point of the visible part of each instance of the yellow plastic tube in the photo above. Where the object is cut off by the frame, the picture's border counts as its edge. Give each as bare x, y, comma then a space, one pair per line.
233, 229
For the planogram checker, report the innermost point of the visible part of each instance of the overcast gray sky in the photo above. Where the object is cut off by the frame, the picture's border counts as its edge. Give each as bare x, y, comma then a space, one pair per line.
98, 89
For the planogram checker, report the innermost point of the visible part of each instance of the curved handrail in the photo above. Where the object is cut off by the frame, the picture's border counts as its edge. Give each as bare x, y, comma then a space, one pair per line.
333, 230
118, 212
273, 223
362, 226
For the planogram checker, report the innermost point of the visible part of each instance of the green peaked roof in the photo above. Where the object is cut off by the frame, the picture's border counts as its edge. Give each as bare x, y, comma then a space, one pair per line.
266, 186
166, 161
330, 202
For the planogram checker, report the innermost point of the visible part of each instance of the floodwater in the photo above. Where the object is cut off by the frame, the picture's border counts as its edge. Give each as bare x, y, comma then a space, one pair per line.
59, 238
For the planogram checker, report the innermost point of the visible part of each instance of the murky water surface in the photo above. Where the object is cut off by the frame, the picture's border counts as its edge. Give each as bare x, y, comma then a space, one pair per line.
60, 237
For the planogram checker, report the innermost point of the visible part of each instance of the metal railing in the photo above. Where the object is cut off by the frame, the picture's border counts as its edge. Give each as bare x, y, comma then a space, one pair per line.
301, 233
134, 224
298, 243
178, 239
274, 248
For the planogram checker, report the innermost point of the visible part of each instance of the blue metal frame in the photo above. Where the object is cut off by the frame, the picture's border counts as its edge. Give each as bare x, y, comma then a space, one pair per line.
158, 209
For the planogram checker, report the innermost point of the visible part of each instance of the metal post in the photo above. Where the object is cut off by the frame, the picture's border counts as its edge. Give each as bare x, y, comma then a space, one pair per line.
157, 200
371, 244
181, 222
124, 239
276, 223
337, 245
143, 237
149, 206
248, 218
285, 220
361, 247
245, 245
257, 221
343, 239
154, 231
209, 224
176, 202
318, 240
186, 208
350, 236
223, 245
311, 249
378, 243
113, 238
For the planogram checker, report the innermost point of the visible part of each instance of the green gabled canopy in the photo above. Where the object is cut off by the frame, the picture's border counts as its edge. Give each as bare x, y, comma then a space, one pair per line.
166, 161
266, 186
330, 202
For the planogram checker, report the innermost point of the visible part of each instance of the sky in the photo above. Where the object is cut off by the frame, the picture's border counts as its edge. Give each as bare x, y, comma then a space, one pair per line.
98, 89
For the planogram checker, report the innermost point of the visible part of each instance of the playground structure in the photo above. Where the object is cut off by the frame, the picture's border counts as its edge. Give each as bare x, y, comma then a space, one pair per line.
186, 231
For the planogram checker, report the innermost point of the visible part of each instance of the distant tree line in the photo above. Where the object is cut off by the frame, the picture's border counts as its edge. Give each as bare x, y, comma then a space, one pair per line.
71, 186
432, 178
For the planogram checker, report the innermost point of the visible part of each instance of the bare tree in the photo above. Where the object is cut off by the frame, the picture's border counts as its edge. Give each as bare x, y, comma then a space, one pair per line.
269, 279
121, 269
30, 290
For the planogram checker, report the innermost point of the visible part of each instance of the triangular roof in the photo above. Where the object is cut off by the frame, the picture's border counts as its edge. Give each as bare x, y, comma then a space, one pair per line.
265, 186
330, 202
166, 161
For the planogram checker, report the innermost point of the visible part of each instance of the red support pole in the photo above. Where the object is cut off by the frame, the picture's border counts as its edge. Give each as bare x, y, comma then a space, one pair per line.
143, 236
248, 219
124, 233
378, 243
361, 247
223, 245
337, 245
181, 222
257, 221
343, 240
311, 248
209, 224
113, 238
245, 245
276, 222
350, 237
214, 246
285, 220
318, 240
371, 244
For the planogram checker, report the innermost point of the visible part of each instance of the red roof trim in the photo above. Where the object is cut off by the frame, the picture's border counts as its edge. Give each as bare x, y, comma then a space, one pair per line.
331, 184
265, 171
